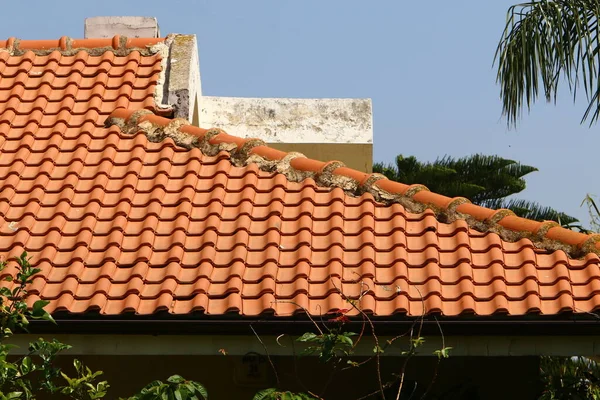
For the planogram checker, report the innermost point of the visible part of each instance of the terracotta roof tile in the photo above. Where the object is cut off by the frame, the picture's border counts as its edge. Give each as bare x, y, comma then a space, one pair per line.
134, 218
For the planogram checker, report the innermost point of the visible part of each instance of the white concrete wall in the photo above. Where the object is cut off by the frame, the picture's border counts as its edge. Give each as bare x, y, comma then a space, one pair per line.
184, 85
290, 120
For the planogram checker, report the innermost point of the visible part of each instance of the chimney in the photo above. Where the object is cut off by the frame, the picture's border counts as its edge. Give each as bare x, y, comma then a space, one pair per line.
132, 27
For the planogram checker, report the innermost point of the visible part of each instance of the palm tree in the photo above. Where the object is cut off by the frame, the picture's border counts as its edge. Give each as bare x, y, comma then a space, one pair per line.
485, 180
569, 378
544, 42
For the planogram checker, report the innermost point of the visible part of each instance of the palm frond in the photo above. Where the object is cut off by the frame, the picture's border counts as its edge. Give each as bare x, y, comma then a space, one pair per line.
477, 177
485, 180
593, 211
476, 164
532, 210
544, 42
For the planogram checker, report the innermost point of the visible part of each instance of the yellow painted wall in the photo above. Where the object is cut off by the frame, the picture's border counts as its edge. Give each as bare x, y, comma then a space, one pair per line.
358, 156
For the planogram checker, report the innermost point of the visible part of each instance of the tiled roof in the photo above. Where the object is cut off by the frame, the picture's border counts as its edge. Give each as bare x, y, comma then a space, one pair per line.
151, 214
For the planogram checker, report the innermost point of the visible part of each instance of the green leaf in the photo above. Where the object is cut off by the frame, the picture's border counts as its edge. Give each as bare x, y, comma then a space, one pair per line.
307, 337
175, 379
345, 340
26, 365
443, 353
545, 43
416, 342
274, 394
264, 394
201, 389
66, 378
38, 311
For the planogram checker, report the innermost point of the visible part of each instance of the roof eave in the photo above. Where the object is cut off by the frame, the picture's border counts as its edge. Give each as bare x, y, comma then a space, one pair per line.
234, 324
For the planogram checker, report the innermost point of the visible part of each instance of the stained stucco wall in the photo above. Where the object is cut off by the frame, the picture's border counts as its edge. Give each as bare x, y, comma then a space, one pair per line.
323, 129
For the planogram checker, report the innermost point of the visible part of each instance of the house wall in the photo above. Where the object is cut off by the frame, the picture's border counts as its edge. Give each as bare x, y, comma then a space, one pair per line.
358, 156
227, 377
323, 129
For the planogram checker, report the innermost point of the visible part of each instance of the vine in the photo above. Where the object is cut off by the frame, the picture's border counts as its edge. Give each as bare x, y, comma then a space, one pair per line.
332, 343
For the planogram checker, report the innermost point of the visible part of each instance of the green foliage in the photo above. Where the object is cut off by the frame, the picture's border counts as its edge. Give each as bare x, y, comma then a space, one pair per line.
35, 372
417, 342
274, 394
176, 388
544, 42
485, 180
83, 386
594, 212
443, 353
478, 177
533, 210
569, 378
328, 345
378, 350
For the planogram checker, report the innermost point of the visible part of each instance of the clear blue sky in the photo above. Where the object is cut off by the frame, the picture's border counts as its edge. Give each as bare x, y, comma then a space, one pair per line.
428, 70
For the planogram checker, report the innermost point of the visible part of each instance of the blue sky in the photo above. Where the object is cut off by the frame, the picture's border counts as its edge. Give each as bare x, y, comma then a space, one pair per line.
428, 70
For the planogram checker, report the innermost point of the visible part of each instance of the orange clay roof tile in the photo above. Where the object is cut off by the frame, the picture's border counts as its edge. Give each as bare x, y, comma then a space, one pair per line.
67, 44
148, 214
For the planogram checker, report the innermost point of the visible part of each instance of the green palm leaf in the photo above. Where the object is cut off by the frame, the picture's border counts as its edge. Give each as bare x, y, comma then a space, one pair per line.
485, 180
544, 42
531, 210
477, 177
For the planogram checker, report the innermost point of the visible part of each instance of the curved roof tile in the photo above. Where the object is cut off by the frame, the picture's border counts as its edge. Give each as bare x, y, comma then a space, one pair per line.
150, 214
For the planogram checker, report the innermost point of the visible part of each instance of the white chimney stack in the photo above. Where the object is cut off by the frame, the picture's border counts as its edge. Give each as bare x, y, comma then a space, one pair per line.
132, 27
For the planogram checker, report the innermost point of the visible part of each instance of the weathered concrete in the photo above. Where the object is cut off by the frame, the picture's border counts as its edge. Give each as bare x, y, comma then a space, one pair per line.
322, 129
291, 120
133, 27
160, 92
182, 84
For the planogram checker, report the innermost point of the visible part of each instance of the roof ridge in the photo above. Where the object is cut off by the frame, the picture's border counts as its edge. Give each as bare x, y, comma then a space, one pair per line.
296, 167
67, 46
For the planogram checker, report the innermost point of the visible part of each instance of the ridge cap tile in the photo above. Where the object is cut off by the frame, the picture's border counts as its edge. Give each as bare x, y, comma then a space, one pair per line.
120, 45
416, 199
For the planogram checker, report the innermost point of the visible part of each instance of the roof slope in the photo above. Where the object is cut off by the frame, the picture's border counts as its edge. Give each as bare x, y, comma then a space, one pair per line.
150, 214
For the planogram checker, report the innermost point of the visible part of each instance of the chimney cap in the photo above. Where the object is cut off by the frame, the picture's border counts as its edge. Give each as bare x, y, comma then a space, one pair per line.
132, 27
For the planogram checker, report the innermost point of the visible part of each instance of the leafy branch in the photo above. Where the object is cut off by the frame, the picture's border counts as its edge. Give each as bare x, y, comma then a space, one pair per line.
36, 372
